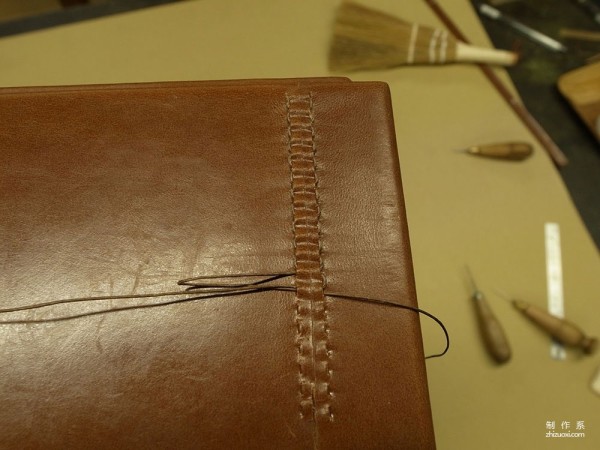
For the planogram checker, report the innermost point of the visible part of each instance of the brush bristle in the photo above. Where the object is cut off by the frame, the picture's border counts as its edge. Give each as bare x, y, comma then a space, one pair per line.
368, 39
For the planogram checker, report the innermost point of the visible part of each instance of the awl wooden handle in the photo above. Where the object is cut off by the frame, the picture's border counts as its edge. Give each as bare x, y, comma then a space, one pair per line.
560, 329
492, 332
515, 151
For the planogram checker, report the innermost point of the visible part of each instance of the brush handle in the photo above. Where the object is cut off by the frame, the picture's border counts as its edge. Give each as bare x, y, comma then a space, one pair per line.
494, 339
470, 53
560, 329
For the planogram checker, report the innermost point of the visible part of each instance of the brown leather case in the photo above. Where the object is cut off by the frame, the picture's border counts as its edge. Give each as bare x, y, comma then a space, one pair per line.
126, 189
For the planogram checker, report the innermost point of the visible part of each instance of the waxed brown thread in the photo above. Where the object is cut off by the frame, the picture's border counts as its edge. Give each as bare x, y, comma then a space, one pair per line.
205, 288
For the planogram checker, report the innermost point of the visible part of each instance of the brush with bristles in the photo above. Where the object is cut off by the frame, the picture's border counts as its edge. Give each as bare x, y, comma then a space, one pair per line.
368, 39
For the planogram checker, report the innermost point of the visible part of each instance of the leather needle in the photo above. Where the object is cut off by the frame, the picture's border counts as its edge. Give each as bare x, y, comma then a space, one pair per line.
529, 32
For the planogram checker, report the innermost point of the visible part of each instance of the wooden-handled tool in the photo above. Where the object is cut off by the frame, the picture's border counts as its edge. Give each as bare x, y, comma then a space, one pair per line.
492, 333
512, 151
562, 330
513, 102
367, 39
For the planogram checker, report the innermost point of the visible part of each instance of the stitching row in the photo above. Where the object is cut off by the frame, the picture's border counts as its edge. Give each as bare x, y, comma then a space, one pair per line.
311, 305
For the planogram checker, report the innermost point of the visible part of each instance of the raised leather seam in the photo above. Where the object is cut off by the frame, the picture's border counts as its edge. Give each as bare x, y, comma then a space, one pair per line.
311, 304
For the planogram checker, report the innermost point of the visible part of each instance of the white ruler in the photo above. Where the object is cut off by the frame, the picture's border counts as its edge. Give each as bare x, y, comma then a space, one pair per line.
554, 281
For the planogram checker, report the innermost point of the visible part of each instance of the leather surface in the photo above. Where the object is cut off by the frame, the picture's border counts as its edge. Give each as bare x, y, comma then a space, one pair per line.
126, 189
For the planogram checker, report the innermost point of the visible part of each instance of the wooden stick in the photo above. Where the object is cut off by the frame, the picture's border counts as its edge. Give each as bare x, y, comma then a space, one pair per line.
543, 138
582, 35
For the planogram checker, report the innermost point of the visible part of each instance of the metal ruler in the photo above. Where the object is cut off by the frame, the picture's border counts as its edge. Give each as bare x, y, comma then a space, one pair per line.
554, 281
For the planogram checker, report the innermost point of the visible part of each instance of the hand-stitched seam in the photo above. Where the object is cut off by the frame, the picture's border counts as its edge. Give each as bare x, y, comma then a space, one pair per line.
311, 313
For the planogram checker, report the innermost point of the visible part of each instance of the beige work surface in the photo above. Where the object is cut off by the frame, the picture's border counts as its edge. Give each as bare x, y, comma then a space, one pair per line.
461, 209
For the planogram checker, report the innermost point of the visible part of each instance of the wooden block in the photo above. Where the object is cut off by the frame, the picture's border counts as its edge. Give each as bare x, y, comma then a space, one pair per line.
581, 87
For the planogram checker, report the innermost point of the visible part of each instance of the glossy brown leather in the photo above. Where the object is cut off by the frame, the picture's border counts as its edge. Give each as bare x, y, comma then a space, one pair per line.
126, 189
